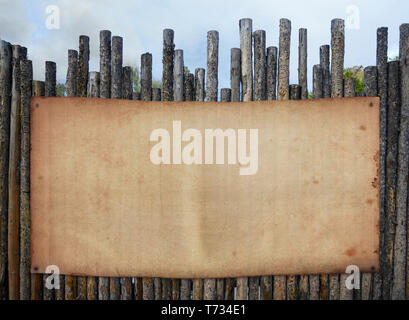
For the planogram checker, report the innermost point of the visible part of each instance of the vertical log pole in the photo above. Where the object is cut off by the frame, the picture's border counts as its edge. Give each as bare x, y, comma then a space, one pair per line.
394, 105
5, 105
303, 83
326, 93
260, 93
18, 53
399, 254
272, 53
71, 87
283, 93
199, 87
26, 90
314, 280
157, 96
371, 90
37, 279
246, 44
116, 93
146, 95
50, 90
189, 87
167, 95
326, 71
157, 285
93, 92
246, 47
235, 74
105, 92
337, 91
82, 84
179, 76
345, 293
127, 93
302, 63
210, 285
382, 64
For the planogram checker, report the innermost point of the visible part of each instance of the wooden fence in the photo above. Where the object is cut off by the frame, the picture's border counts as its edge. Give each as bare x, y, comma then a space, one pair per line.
262, 77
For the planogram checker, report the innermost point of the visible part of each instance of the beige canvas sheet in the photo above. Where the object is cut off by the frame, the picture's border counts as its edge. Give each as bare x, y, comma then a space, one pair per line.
100, 206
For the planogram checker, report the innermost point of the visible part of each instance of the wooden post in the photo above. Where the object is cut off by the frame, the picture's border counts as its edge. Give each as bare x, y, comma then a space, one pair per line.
371, 90
283, 93
93, 92
18, 54
302, 63
260, 76
199, 87
168, 56
167, 95
37, 279
199, 84
210, 285
382, 64
337, 91
156, 94
146, 77
394, 105
326, 93
179, 72
127, 83
212, 65
105, 92
326, 72
246, 47
26, 72
345, 293
83, 68
71, 89
105, 86
399, 254
189, 87
82, 84
235, 74
314, 280
146, 95
272, 53
5, 105
50, 90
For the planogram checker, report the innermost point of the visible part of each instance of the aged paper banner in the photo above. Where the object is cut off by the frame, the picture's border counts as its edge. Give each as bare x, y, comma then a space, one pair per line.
133, 188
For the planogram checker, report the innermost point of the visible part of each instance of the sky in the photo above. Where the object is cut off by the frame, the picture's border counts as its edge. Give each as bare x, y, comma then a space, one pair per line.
141, 22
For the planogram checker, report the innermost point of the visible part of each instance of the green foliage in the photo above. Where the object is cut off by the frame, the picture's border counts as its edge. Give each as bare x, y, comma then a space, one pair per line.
358, 74
310, 95
60, 88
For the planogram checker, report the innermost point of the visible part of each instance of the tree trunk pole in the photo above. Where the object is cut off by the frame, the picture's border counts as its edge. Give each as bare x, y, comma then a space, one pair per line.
189, 87
283, 93
26, 91
371, 90
246, 47
394, 105
337, 91
260, 68
272, 53
127, 83
326, 71
83, 68
37, 279
5, 105
167, 95
156, 94
50, 90
399, 255
345, 293
71, 87
105, 92
179, 74
314, 280
210, 285
302, 63
382, 64
235, 74
18, 54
